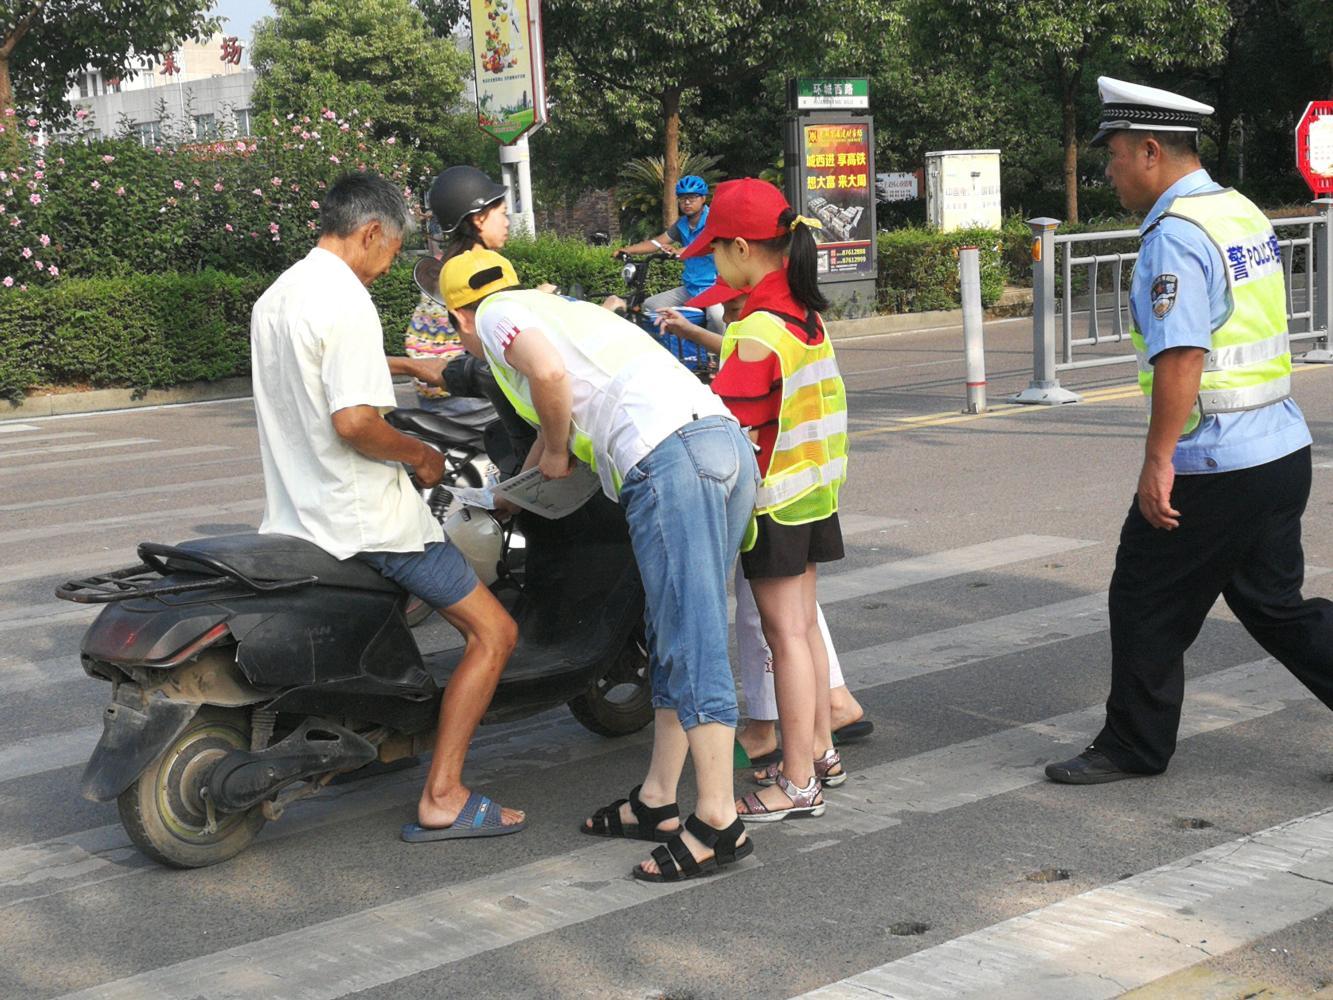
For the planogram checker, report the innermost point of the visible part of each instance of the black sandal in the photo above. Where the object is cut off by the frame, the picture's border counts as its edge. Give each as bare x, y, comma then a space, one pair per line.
606, 821
675, 862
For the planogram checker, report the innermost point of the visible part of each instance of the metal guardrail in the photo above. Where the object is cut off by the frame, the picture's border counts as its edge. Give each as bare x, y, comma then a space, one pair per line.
1310, 246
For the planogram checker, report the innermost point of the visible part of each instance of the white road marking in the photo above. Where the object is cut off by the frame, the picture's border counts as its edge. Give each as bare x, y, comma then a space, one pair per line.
386, 943
164, 519
60, 436
9, 428
138, 491
44, 753
939, 565
157, 456
1324, 465
61, 449
1121, 936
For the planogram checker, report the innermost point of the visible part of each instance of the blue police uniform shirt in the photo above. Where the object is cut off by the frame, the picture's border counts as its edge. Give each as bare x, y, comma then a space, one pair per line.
1223, 442
699, 273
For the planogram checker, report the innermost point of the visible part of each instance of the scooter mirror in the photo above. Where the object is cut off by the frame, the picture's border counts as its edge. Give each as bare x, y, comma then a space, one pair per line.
426, 273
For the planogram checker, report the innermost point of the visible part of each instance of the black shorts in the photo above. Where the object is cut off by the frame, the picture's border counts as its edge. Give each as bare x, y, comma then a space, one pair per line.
786, 549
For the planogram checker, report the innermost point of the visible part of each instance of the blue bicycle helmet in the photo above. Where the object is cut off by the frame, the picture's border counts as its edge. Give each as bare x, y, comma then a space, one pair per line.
692, 184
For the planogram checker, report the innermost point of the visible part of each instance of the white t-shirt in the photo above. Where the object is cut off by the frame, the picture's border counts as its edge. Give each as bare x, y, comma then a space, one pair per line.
625, 417
316, 346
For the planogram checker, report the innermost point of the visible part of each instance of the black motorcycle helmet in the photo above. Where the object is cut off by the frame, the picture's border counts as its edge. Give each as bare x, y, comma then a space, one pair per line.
459, 192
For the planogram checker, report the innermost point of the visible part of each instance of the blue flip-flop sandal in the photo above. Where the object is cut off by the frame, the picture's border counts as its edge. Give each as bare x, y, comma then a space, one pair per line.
479, 817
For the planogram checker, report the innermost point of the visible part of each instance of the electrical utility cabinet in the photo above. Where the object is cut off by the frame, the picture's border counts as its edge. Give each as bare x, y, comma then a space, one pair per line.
963, 189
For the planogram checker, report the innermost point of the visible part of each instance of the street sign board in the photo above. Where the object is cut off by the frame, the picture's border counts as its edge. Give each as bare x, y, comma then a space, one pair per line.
1314, 147
510, 67
829, 94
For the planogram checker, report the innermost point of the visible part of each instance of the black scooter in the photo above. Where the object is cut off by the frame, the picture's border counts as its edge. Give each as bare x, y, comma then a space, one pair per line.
249, 670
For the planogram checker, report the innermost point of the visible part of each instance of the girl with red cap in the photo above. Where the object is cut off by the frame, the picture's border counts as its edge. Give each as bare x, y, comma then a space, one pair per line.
778, 376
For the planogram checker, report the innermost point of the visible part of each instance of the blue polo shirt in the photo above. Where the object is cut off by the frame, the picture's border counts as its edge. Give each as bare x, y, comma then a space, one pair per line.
1223, 442
698, 273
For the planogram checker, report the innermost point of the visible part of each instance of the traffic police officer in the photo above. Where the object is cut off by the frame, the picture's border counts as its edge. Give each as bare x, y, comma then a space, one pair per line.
1226, 469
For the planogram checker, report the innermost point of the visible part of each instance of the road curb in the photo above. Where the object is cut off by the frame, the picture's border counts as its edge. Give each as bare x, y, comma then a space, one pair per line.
55, 404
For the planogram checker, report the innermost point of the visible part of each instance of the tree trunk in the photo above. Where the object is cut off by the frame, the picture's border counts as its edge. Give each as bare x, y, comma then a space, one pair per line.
10, 145
1069, 121
671, 154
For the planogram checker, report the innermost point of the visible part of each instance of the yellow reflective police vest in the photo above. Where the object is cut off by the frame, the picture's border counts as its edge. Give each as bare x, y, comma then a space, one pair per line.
578, 326
809, 463
1249, 365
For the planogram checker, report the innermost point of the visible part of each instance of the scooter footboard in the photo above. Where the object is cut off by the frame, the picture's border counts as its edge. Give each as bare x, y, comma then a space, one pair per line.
134, 734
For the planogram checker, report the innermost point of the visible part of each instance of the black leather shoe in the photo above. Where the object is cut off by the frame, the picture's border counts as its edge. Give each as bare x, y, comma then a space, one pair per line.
1091, 767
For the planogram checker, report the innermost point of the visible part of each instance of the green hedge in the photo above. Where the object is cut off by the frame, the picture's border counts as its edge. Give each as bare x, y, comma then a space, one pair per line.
156, 330
149, 330
918, 268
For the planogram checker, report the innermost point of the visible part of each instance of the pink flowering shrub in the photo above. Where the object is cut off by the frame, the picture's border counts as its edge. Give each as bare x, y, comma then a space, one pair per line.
114, 207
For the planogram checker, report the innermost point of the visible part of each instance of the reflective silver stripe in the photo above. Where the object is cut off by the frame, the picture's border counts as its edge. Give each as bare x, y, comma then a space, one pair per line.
810, 374
812, 430
1240, 355
794, 485
1250, 398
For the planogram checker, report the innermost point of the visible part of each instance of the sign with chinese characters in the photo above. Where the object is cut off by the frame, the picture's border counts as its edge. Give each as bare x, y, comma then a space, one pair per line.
1314, 147
169, 65
963, 189
898, 186
833, 94
837, 169
510, 69
231, 50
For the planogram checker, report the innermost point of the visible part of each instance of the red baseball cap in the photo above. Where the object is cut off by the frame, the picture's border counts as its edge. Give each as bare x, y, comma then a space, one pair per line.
719, 293
746, 207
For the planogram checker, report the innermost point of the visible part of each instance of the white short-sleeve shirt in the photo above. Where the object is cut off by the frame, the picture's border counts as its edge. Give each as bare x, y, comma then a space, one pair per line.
627, 420
316, 347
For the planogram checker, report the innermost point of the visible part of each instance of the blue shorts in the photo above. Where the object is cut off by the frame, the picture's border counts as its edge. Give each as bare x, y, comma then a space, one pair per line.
439, 575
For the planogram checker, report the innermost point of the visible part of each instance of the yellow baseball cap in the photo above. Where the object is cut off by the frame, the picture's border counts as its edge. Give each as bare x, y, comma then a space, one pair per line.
473, 275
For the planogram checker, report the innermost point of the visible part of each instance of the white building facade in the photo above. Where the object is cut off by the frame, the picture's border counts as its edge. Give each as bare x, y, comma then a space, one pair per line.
204, 88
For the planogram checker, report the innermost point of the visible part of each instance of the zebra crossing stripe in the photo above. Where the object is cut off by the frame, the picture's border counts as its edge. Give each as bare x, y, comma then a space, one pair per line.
359, 951
1113, 939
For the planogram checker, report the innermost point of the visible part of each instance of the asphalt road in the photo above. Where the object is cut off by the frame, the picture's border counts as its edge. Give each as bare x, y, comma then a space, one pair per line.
970, 614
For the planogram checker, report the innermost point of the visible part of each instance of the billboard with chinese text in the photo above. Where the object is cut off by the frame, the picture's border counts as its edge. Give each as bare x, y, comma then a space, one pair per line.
837, 187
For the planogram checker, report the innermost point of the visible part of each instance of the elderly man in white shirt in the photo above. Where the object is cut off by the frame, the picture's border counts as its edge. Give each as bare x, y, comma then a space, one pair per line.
334, 469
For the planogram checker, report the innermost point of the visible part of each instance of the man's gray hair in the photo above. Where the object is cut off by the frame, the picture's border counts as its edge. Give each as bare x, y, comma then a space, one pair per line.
357, 198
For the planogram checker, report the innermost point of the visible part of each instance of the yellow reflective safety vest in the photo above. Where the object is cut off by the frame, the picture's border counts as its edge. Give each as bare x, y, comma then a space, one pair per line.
1249, 365
809, 463
606, 348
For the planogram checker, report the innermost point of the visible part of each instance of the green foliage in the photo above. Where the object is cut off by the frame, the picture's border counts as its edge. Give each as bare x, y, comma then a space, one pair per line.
379, 57
54, 42
151, 330
918, 268
571, 262
640, 184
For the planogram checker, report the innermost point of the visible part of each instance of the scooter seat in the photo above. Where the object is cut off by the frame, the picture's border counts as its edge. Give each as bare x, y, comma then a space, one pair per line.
452, 432
281, 557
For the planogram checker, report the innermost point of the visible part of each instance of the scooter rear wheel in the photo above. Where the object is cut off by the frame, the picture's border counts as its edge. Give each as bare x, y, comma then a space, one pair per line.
620, 702
164, 812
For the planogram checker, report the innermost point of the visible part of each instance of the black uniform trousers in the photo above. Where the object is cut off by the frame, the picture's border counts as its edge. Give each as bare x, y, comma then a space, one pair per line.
1239, 536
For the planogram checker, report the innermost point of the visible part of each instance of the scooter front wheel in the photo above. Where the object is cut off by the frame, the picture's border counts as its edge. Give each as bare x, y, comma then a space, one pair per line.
619, 702
165, 811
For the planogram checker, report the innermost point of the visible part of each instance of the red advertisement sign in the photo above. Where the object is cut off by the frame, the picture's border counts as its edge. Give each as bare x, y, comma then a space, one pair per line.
837, 187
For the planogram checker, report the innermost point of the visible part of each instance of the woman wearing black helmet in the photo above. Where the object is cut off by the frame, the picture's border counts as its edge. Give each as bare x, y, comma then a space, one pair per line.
466, 209
470, 209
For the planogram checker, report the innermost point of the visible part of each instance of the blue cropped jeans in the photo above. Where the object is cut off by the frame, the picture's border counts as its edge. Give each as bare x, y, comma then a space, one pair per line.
687, 504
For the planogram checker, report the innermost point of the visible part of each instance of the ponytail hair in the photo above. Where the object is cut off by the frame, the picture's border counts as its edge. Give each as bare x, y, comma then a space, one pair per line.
797, 244
462, 239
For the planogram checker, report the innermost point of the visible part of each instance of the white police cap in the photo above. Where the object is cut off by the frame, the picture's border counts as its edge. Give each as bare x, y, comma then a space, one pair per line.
1132, 106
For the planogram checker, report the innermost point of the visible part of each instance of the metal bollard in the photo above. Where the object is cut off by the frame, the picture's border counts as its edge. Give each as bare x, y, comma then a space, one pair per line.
1045, 388
969, 284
